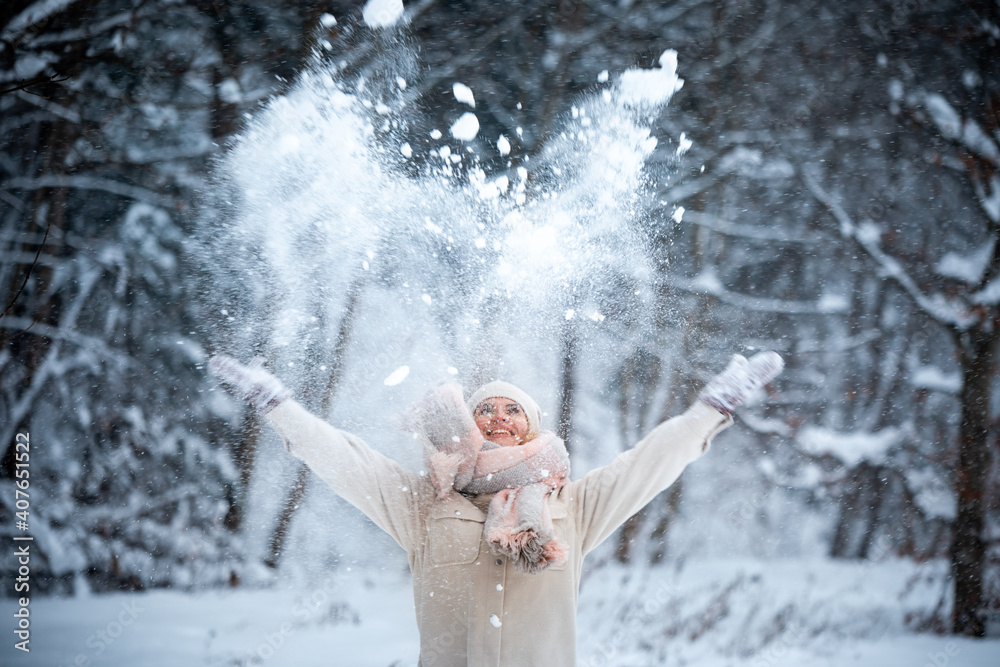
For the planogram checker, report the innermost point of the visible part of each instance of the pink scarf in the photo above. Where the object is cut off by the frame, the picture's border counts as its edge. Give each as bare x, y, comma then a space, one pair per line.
518, 524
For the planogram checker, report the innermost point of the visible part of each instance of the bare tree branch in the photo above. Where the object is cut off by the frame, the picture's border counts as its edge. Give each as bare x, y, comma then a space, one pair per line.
23, 84
27, 275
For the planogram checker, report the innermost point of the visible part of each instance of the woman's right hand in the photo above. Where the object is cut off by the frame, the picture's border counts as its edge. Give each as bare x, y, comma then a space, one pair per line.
251, 382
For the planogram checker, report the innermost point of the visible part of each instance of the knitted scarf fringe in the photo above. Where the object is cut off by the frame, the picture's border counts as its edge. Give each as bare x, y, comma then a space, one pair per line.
526, 549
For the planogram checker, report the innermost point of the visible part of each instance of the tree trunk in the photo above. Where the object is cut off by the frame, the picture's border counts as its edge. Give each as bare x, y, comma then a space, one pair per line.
277, 544
968, 548
873, 511
28, 295
568, 389
659, 535
244, 455
626, 536
298, 490
859, 514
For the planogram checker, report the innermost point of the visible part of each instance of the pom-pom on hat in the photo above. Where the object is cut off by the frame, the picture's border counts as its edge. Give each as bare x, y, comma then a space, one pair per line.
501, 389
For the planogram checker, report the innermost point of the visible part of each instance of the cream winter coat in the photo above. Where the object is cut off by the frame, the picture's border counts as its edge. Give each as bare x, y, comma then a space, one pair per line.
474, 608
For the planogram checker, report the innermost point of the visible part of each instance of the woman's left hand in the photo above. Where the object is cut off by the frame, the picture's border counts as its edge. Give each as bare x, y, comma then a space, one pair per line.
254, 384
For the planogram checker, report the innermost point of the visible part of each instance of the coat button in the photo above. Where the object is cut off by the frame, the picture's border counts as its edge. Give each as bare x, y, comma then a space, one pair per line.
498, 561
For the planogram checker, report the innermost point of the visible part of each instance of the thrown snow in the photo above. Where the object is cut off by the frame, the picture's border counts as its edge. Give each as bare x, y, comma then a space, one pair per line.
464, 94
650, 87
683, 145
396, 376
316, 188
382, 13
850, 448
466, 127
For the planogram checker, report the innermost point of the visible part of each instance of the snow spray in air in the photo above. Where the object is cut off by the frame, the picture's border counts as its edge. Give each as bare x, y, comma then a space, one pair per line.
344, 239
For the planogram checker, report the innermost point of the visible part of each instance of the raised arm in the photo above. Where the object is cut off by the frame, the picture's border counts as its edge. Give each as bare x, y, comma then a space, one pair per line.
606, 497
378, 486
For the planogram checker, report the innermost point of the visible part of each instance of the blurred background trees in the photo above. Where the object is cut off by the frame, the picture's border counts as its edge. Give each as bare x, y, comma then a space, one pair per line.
841, 201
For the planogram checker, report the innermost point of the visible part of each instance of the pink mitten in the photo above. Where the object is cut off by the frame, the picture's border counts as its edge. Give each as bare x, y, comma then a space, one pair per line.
254, 384
727, 390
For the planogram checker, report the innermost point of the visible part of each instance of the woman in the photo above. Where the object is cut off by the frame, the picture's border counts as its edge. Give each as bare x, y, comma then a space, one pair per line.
494, 530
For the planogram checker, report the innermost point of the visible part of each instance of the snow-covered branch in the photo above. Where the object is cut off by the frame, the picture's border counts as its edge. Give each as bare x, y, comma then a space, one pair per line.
11, 201
765, 425
200, 148
52, 365
89, 183
728, 228
682, 191
968, 134
56, 110
777, 16
807, 345
708, 283
938, 306
964, 132
90, 343
138, 505
853, 447
32, 15
83, 32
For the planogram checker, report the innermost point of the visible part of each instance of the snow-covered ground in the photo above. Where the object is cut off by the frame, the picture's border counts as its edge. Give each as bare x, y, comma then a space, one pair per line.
713, 613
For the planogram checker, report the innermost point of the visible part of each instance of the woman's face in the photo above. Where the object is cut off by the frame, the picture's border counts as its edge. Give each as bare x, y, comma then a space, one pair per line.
502, 421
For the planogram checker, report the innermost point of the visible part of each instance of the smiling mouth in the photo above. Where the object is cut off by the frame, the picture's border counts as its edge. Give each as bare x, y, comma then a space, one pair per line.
500, 432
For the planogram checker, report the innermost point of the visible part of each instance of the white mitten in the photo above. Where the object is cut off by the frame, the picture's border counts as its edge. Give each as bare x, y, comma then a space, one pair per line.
254, 384
727, 390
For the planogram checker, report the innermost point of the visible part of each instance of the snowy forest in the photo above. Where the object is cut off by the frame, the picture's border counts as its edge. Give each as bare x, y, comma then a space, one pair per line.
599, 200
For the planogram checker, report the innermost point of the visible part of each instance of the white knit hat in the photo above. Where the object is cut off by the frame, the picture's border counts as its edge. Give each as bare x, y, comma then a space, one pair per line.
501, 389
